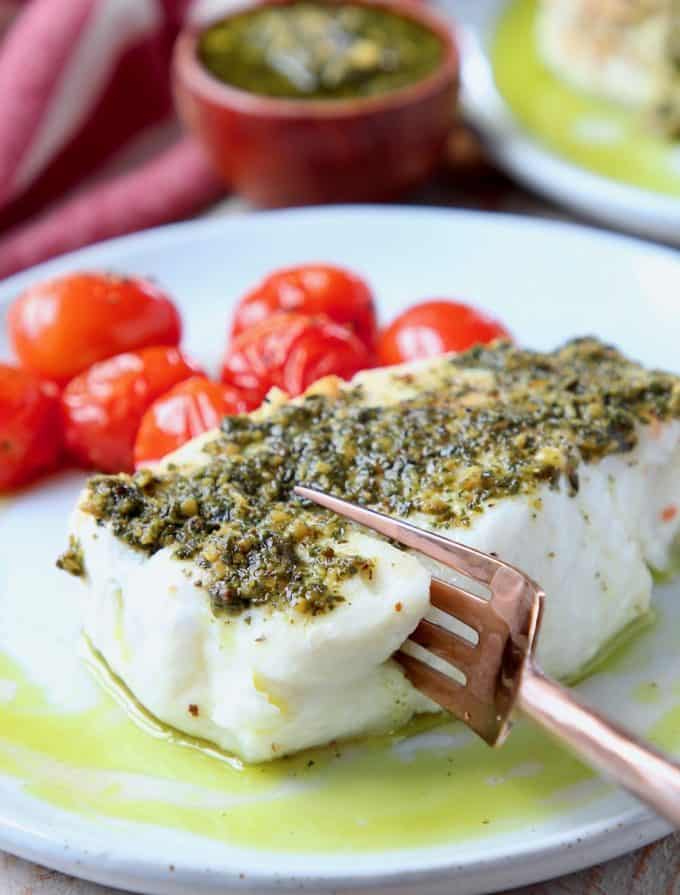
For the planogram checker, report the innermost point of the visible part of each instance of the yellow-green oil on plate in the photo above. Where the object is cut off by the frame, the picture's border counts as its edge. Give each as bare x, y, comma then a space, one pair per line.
71, 743
594, 133
385, 793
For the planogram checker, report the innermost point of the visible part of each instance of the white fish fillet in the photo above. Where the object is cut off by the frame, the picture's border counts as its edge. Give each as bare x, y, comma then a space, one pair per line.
270, 682
613, 49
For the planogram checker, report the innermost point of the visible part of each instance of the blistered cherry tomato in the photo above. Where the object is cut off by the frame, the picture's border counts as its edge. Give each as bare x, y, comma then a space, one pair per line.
103, 407
312, 289
190, 408
291, 351
30, 427
435, 327
60, 327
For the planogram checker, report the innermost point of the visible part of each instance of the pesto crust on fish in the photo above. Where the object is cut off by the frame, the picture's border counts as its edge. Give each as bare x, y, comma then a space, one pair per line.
279, 619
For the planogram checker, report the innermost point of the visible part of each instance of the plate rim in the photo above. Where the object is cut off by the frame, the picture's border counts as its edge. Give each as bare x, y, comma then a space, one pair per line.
215, 222
600, 842
560, 852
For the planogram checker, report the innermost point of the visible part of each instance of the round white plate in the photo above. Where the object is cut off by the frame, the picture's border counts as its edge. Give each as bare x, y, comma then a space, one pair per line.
548, 282
528, 160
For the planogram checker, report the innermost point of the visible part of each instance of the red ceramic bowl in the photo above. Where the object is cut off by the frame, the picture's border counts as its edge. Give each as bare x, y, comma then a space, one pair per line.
289, 152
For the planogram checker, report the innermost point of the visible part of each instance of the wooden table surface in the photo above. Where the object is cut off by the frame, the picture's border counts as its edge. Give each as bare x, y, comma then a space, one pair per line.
467, 181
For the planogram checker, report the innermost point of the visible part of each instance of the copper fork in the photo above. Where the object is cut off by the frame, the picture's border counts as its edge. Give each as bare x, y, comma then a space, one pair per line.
498, 673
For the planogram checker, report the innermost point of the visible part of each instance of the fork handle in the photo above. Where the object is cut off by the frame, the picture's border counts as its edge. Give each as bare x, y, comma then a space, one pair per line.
619, 755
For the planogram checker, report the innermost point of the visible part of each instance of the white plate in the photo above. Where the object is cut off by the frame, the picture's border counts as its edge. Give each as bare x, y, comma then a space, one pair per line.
514, 149
548, 282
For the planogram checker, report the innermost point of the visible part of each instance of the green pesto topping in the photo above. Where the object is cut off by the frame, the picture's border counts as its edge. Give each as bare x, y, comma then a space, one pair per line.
448, 442
319, 51
72, 560
246, 548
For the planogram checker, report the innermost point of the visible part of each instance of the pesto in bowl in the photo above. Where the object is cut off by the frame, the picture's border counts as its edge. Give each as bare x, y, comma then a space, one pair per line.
306, 50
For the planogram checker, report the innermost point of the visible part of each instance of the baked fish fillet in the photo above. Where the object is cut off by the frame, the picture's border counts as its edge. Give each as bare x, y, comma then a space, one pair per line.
239, 614
624, 50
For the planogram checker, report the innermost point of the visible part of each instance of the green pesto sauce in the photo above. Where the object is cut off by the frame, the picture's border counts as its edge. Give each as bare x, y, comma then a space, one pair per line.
319, 51
492, 423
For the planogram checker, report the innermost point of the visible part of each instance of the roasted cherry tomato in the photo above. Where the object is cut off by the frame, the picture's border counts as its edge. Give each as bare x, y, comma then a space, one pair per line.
103, 407
190, 408
435, 327
60, 327
312, 289
291, 351
30, 427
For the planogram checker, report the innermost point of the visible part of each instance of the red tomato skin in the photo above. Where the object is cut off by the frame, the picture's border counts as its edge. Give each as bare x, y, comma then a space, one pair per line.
30, 427
290, 352
190, 408
436, 327
312, 289
103, 407
61, 326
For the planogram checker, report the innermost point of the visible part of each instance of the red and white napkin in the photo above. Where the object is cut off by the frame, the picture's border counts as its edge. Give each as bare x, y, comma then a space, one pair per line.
89, 146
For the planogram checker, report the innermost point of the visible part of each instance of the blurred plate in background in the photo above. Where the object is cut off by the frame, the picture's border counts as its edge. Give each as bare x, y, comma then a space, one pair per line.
585, 153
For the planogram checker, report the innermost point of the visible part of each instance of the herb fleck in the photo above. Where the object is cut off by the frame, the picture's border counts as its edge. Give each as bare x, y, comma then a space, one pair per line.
72, 560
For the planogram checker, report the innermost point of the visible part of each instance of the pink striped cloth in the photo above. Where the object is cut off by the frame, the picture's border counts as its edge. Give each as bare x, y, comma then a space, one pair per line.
89, 147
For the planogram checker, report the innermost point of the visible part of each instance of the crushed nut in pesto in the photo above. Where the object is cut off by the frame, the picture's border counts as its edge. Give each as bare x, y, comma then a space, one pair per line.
478, 427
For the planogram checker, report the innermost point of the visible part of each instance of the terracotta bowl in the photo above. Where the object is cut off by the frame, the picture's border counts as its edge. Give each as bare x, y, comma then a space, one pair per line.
290, 152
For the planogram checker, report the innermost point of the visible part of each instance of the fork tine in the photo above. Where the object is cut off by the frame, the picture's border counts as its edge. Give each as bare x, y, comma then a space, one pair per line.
446, 644
464, 559
480, 715
477, 613
456, 601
